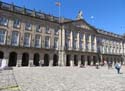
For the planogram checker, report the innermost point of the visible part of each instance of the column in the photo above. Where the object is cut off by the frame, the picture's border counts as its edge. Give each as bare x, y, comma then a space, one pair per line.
41, 62
6, 57
121, 48
95, 46
90, 44
84, 42
85, 60
63, 38
19, 60
78, 41
72, 61
51, 60
31, 60
62, 45
79, 60
92, 62
71, 40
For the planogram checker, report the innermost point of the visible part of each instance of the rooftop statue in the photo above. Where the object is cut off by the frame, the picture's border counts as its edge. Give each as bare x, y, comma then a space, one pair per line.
80, 15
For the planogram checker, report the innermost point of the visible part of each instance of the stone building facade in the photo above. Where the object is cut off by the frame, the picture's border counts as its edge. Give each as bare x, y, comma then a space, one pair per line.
31, 38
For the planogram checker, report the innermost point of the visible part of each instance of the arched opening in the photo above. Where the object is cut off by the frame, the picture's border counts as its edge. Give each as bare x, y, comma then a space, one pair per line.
94, 60
68, 60
55, 60
114, 60
1, 57
25, 59
75, 60
36, 59
107, 60
121, 61
46, 60
12, 59
111, 60
83, 60
88, 60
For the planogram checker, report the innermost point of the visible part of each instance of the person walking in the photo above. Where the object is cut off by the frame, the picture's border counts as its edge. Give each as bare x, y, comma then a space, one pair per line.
118, 67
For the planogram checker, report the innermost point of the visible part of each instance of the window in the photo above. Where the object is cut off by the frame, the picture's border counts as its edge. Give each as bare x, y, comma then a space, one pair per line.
93, 47
55, 42
2, 36
15, 38
56, 31
67, 33
81, 44
81, 41
74, 44
38, 41
87, 46
38, 28
28, 26
47, 29
47, 42
16, 23
3, 21
27, 38
87, 38
67, 43
74, 40
74, 35
81, 37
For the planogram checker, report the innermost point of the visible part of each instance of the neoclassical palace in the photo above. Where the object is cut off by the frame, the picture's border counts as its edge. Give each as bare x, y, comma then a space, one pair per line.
32, 38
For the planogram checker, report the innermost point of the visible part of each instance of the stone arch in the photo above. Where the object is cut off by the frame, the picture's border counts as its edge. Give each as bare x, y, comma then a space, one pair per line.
68, 58
115, 60
75, 60
46, 60
88, 60
36, 59
55, 60
83, 60
1, 55
94, 60
12, 59
25, 59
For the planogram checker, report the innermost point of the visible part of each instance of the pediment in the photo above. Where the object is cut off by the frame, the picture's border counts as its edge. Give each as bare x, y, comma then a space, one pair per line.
84, 25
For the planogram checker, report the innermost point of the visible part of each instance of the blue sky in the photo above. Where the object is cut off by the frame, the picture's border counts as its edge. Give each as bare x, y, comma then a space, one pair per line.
104, 14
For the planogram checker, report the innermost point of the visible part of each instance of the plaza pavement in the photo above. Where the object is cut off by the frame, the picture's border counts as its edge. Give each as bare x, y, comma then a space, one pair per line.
62, 79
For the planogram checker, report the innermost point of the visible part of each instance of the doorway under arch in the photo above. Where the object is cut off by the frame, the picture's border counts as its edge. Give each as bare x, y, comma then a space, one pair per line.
94, 60
75, 60
1, 55
83, 60
25, 59
36, 59
55, 60
12, 59
88, 60
46, 60
68, 60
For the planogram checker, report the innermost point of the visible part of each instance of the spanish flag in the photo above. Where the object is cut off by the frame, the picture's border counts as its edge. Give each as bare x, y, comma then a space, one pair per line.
58, 4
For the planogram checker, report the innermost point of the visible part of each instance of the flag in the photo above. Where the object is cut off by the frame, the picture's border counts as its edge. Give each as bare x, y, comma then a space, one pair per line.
58, 4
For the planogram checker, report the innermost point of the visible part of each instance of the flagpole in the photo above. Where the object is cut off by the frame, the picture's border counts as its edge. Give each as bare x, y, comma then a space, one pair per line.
59, 13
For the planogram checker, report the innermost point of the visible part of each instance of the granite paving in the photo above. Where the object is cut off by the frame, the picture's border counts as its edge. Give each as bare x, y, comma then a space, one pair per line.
64, 79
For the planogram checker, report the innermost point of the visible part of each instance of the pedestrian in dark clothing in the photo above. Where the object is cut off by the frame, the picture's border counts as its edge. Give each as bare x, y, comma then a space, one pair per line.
118, 67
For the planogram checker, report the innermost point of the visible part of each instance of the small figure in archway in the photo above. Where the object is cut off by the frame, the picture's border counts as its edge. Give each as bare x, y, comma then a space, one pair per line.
118, 67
